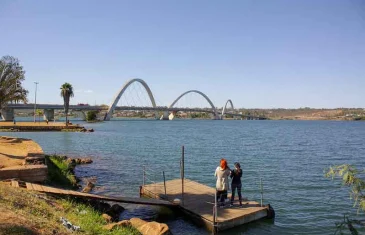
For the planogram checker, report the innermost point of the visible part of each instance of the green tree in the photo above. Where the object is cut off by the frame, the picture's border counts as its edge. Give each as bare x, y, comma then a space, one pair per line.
351, 177
11, 78
91, 115
66, 93
39, 113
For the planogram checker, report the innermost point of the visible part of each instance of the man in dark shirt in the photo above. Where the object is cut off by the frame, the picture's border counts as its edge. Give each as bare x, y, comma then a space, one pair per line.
236, 175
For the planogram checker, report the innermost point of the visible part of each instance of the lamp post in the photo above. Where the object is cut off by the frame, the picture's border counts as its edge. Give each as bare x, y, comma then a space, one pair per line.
35, 99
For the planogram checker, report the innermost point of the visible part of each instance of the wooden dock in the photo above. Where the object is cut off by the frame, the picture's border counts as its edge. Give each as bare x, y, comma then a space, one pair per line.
63, 192
198, 202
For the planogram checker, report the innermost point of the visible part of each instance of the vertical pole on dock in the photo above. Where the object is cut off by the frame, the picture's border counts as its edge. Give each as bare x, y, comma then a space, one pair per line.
144, 175
214, 230
182, 173
262, 191
164, 182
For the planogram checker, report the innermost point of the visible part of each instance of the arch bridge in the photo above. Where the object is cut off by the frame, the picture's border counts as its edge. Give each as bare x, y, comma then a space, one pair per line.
168, 111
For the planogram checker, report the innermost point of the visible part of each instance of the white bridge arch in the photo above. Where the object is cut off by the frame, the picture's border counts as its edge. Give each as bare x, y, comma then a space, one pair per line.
109, 114
224, 109
198, 92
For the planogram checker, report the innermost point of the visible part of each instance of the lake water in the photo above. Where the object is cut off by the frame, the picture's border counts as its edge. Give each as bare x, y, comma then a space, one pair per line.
290, 157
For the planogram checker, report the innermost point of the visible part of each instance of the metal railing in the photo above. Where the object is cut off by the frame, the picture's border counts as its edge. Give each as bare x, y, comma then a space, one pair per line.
151, 176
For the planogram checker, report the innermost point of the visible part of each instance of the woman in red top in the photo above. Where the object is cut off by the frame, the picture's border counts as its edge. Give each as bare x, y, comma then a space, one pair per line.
222, 172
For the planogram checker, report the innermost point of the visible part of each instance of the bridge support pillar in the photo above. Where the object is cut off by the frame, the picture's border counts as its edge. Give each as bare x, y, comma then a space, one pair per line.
108, 116
156, 115
165, 116
84, 115
7, 114
217, 117
48, 114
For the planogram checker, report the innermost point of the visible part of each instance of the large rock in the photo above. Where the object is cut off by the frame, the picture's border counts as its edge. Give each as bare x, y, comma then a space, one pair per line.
71, 162
123, 223
102, 207
86, 160
115, 211
137, 222
107, 218
150, 228
88, 188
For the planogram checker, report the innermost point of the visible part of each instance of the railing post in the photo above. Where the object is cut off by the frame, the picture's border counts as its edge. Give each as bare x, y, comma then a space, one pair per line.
164, 182
144, 176
214, 230
182, 174
262, 191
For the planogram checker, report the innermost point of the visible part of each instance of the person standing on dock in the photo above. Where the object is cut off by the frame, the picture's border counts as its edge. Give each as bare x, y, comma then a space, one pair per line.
236, 175
222, 172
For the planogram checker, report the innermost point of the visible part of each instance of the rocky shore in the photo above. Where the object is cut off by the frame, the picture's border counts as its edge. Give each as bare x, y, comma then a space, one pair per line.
59, 171
111, 212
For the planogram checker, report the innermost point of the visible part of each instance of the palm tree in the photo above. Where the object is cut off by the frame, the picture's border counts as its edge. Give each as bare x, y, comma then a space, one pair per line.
66, 93
11, 77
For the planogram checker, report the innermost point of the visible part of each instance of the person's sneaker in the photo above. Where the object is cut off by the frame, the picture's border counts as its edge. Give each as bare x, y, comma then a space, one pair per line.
241, 205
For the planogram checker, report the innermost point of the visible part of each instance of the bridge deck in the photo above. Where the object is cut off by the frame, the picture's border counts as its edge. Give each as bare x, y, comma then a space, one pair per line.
47, 189
199, 203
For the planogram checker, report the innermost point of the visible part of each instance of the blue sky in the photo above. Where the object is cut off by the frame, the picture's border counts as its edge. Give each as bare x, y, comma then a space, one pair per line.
260, 54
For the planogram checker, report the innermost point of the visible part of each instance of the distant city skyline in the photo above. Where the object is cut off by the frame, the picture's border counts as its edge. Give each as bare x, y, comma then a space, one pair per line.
259, 54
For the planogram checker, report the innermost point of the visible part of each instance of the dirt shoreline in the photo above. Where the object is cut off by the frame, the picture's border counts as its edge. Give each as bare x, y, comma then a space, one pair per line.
22, 159
14, 151
40, 126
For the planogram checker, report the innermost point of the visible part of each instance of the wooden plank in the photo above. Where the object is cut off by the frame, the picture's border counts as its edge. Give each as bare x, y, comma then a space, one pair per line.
199, 201
15, 184
29, 186
145, 201
51, 190
37, 187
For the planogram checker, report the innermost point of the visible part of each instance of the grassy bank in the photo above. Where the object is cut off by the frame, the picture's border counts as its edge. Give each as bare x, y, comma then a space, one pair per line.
28, 212
60, 172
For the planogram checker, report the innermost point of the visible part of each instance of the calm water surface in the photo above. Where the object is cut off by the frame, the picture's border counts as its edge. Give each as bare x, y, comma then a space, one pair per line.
290, 157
